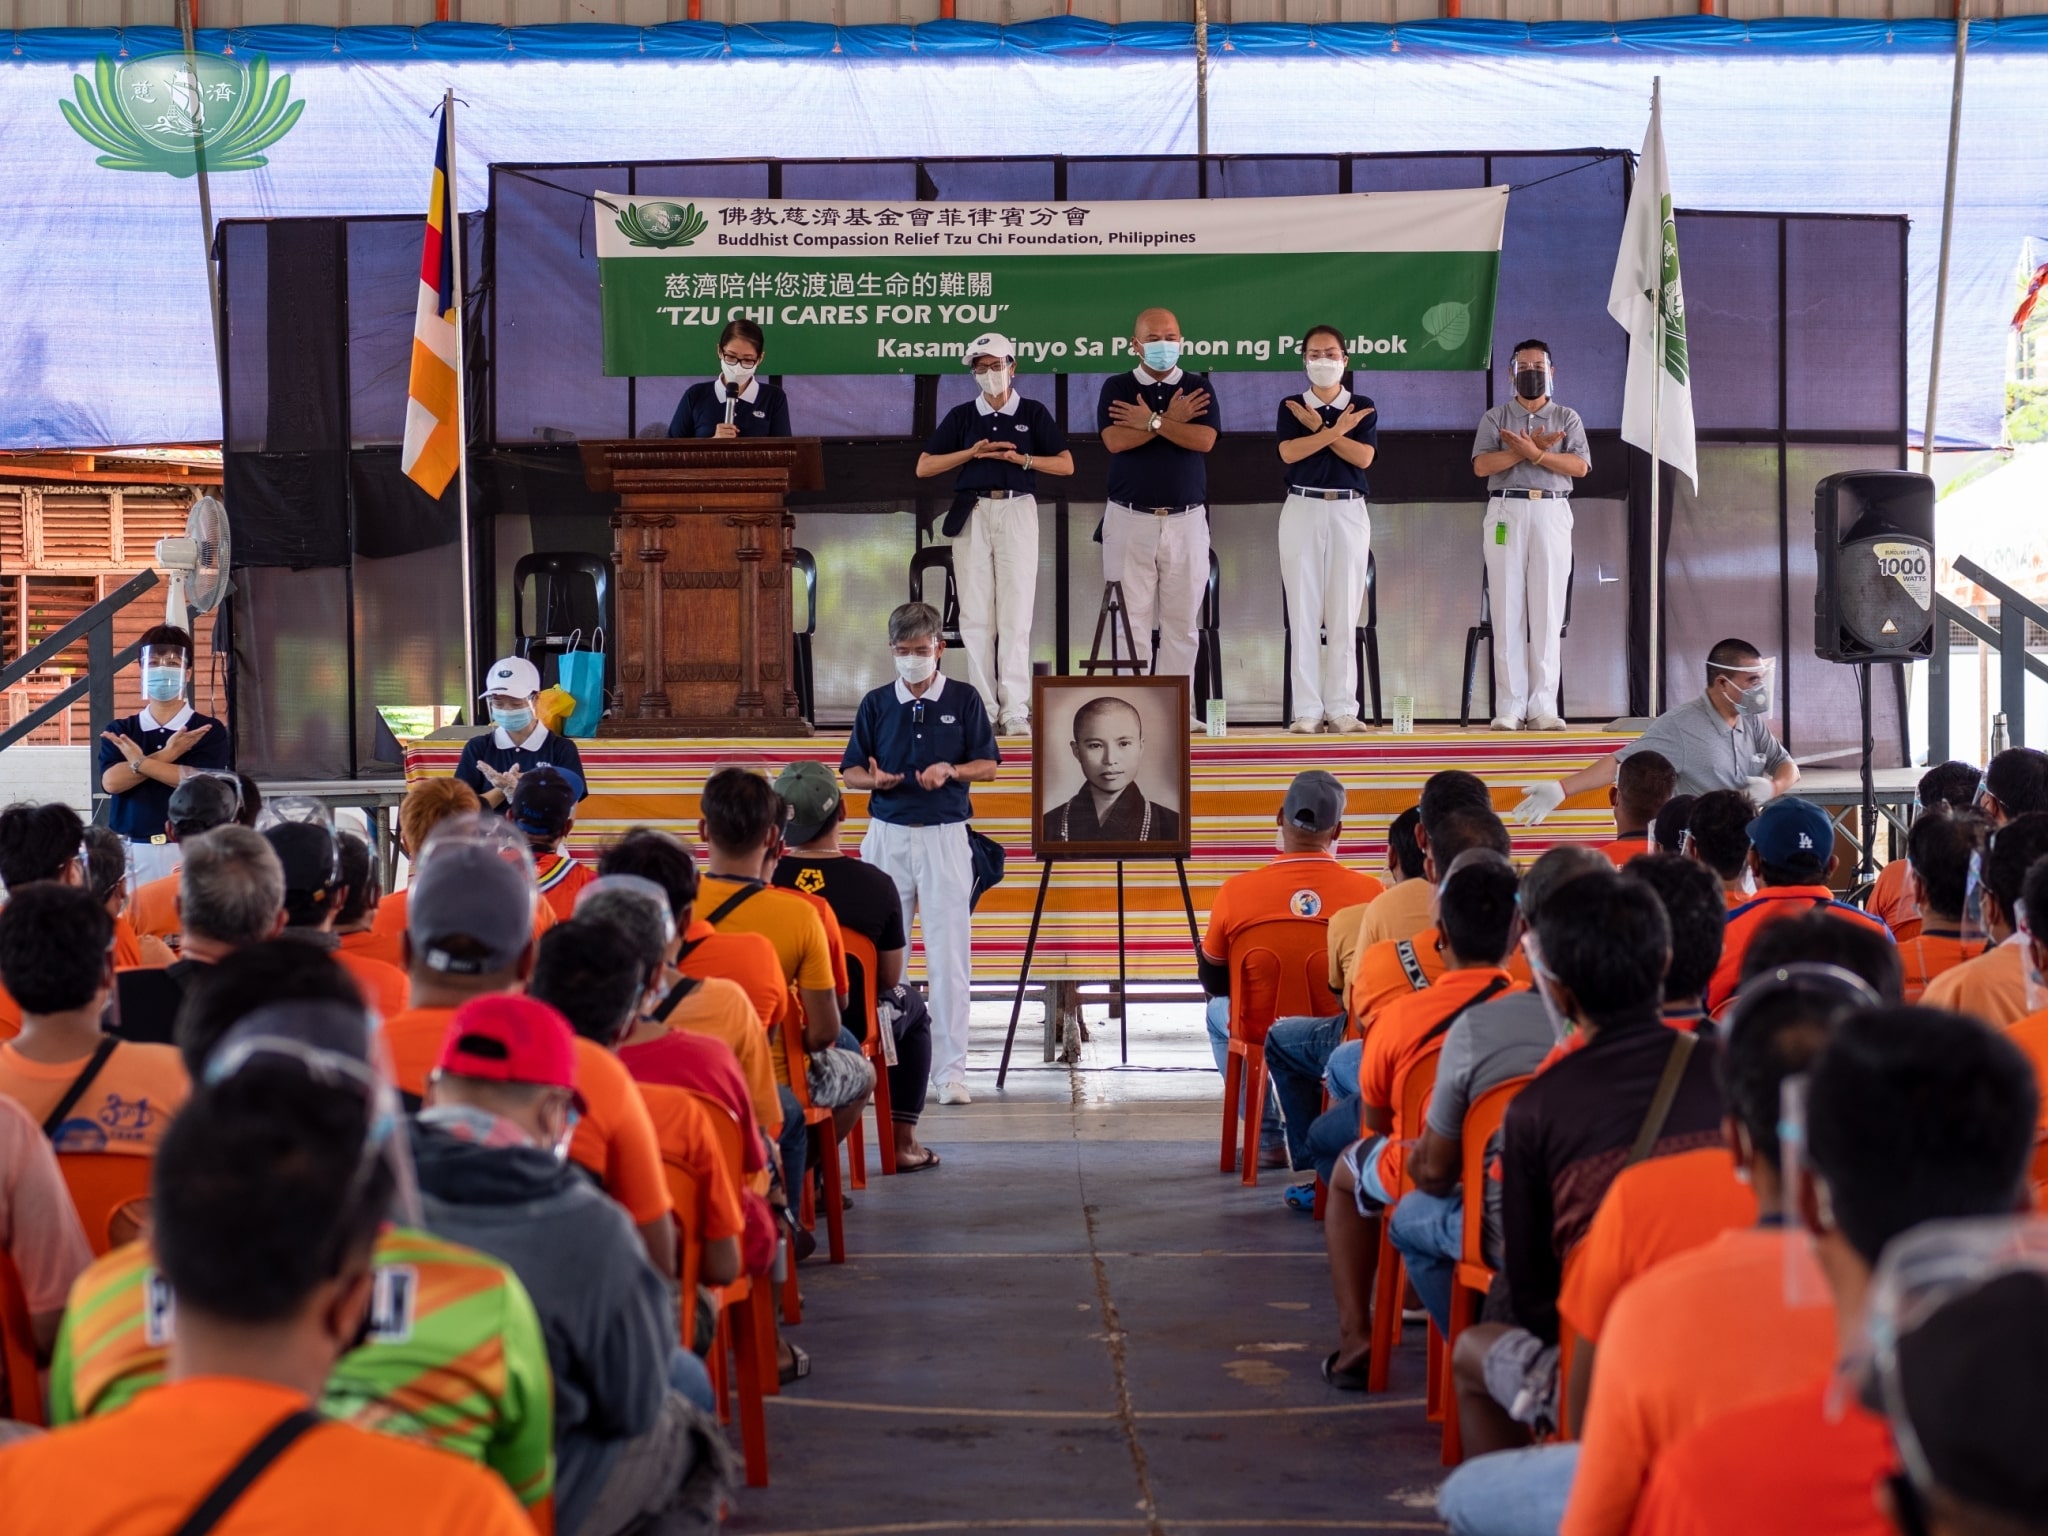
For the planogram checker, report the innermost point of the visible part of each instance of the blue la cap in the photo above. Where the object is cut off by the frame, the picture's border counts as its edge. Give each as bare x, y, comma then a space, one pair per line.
1793, 834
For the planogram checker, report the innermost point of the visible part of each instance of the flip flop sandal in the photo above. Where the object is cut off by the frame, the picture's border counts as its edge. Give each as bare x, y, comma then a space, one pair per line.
1301, 1197
931, 1160
1352, 1380
800, 1365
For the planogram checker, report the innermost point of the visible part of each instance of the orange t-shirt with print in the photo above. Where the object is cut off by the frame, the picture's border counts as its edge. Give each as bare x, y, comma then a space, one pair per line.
126, 1108
1312, 885
1408, 1028
176, 1441
1655, 1209
1703, 1334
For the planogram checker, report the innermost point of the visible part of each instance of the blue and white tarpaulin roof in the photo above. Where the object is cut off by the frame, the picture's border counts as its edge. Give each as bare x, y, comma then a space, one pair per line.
104, 337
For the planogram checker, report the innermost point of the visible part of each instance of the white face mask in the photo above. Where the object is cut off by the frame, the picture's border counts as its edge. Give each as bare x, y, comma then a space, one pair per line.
994, 382
1324, 372
916, 669
735, 374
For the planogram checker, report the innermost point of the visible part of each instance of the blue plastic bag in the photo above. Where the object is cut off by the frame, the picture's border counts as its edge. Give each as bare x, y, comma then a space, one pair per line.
582, 673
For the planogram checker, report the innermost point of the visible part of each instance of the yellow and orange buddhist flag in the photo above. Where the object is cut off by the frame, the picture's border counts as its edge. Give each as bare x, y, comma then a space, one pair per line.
433, 405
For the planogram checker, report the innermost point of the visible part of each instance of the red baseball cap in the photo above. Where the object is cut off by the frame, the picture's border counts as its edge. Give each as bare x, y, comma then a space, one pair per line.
508, 1038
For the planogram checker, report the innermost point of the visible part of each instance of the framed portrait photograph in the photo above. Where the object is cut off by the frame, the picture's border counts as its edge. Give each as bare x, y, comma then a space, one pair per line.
1109, 768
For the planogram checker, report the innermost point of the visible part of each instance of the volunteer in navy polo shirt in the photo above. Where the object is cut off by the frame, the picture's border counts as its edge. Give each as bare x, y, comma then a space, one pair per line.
143, 756
517, 743
917, 744
1328, 438
735, 404
1157, 422
1000, 443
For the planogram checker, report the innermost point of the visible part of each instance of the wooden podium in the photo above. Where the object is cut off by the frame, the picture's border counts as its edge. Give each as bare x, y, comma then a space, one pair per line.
701, 543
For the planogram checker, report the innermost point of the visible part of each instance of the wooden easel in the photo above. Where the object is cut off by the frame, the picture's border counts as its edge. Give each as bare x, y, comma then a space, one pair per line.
1114, 616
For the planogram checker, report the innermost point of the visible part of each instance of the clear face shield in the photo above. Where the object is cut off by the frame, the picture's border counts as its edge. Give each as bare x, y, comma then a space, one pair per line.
163, 673
2033, 948
1750, 687
1561, 1023
474, 829
1976, 924
305, 811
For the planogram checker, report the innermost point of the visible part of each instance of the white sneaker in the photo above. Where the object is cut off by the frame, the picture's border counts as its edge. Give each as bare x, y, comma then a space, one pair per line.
1346, 725
1307, 725
1503, 723
954, 1093
1014, 725
1546, 723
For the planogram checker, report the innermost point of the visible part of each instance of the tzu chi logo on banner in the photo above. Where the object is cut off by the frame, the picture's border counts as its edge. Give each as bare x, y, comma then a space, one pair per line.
155, 112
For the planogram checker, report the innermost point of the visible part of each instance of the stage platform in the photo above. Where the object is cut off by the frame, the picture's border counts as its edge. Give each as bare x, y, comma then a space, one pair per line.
1238, 781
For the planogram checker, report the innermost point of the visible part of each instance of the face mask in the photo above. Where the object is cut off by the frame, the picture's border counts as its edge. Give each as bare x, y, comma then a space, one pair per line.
1752, 701
163, 683
1324, 372
994, 382
916, 669
1532, 383
736, 374
1160, 356
513, 722
465, 1122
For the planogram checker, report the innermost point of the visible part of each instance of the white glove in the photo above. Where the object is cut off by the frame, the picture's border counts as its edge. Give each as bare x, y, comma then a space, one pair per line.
1760, 790
1538, 801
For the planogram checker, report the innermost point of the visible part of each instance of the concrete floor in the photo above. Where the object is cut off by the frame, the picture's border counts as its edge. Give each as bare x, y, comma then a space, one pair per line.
1077, 1324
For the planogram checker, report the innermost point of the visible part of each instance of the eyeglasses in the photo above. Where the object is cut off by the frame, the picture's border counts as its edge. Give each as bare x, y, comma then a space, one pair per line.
739, 362
991, 367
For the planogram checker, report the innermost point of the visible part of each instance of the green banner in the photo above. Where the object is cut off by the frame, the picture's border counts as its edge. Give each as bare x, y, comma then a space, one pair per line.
877, 288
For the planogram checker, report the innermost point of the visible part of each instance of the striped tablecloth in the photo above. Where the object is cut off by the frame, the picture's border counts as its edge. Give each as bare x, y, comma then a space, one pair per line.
1238, 782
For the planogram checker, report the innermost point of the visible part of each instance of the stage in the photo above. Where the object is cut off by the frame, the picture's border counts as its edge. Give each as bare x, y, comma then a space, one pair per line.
1238, 781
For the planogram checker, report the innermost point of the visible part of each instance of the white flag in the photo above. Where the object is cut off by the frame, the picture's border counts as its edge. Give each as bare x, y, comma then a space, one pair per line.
1645, 281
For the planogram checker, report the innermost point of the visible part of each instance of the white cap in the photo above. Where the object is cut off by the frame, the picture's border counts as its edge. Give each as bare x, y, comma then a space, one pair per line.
989, 344
514, 675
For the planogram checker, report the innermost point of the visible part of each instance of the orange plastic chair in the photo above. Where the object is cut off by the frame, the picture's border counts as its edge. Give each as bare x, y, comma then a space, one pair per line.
2041, 1163
731, 1147
800, 1085
863, 966
1390, 1281
1279, 968
104, 1186
24, 1398
1471, 1278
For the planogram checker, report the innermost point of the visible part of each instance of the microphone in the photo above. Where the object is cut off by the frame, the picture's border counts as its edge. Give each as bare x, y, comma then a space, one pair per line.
732, 404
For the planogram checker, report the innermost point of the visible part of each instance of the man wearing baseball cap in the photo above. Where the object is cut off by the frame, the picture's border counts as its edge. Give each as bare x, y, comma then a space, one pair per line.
1792, 853
491, 1152
201, 802
543, 806
1000, 443
492, 763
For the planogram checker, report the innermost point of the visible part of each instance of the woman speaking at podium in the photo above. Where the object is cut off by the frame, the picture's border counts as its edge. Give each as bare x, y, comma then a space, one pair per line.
735, 404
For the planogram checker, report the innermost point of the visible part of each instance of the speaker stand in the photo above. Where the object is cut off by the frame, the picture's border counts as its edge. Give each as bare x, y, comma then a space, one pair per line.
1866, 857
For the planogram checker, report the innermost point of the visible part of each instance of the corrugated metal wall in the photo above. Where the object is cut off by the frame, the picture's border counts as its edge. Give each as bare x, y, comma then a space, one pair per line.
358, 13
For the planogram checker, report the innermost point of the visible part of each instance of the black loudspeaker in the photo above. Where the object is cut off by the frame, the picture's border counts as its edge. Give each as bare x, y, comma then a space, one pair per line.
1873, 539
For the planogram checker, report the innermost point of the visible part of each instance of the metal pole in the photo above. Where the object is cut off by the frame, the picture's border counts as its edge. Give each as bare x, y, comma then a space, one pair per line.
220, 351
453, 235
1948, 224
1656, 429
1201, 77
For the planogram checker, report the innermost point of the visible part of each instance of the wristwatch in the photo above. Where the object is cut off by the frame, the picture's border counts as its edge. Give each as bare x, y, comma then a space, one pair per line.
1153, 424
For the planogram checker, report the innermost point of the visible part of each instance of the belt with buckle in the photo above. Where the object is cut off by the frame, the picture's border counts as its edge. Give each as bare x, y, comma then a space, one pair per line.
1000, 494
1158, 511
1314, 493
1521, 494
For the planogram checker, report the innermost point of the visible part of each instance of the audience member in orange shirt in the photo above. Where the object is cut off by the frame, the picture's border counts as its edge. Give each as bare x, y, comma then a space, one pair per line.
201, 802
1349, 925
315, 888
427, 803
106, 876
1717, 834
1476, 909
266, 1203
1642, 785
1792, 853
1946, 788
1993, 987
1885, 1152
1937, 864
748, 959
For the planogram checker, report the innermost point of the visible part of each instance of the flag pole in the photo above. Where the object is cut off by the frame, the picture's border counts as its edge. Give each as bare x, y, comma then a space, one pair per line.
1656, 426
1948, 222
453, 235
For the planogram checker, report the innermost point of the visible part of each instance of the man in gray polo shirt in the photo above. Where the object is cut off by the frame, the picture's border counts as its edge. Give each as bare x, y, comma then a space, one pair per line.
1529, 450
1721, 739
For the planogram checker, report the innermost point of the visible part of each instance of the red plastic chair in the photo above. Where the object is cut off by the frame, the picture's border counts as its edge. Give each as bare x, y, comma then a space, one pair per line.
24, 1399
106, 1188
1279, 968
864, 967
1390, 1281
1472, 1278
800, 1085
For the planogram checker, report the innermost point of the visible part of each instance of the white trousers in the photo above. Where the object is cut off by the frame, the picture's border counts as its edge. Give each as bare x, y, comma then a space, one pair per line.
1528, 564
1323, 549
1163, 563
995, 571
934, 875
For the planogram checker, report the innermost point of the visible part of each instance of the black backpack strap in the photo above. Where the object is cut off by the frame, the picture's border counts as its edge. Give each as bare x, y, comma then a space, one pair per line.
731, 904
1411, 963
676, 994
1493, 989
254, 1462
1660, 1102
79, 1084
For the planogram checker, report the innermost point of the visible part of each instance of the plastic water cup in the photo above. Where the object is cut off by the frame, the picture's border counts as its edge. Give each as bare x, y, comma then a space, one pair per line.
1404, 714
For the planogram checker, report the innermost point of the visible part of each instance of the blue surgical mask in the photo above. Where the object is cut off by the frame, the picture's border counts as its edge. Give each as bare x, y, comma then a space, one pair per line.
163, 684
1160, 356
513, 722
